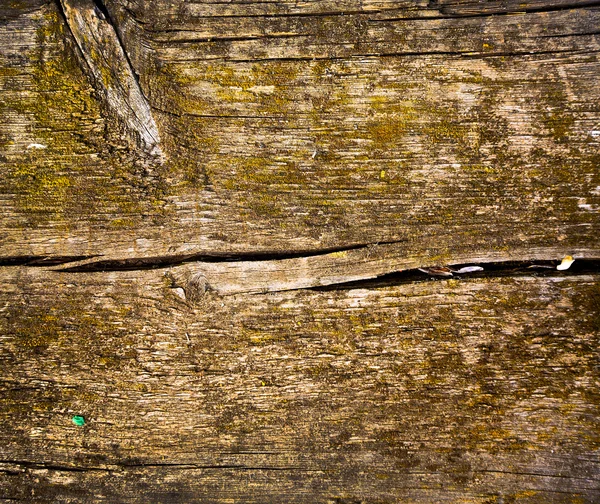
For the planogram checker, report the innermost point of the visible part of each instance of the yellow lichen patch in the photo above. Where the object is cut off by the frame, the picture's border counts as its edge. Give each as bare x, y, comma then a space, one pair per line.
84, 159
252, 172
339, 255
60, 111
274, 74
42, 189
216, 88
554, 111
6, 71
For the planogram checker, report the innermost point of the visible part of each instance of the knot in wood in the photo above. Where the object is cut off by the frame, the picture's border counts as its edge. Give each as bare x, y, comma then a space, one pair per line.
196, 287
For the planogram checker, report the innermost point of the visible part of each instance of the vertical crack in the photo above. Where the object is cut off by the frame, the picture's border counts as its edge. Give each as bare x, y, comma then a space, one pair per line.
103, 11
103, 50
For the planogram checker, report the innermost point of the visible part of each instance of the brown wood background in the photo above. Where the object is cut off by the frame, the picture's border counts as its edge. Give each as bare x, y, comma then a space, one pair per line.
212, 217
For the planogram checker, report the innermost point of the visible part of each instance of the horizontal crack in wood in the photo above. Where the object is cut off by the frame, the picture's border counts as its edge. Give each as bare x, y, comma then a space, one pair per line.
396, 54
343, 268
447, 12
41, 260
358, 266
490, 270
215, 257
16, 464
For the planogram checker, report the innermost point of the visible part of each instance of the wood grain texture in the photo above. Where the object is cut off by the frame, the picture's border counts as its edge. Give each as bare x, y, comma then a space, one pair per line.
197, 307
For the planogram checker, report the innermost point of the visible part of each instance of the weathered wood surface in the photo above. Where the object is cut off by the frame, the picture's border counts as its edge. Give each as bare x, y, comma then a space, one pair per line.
291, 127
259, 150
444, 391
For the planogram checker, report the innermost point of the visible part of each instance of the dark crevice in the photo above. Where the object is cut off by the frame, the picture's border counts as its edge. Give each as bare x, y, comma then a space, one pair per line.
101, 8
448, 12
474, 54
525, 10
41, 260
141, 465
102, 11
537, 268
538, 474
146, 263
490, 270
518, 54
565, 35
239, 467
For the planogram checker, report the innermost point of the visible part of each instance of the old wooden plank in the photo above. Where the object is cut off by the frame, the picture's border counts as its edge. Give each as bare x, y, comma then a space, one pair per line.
490, 147
390, 135
481, 390
179, 13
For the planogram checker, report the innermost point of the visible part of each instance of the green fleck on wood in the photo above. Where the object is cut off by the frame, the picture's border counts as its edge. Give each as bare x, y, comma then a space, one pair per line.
78, 420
